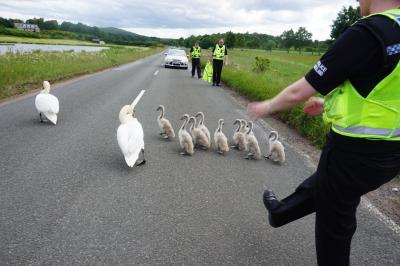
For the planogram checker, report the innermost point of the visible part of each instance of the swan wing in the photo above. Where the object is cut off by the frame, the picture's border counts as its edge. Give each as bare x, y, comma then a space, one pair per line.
48, 105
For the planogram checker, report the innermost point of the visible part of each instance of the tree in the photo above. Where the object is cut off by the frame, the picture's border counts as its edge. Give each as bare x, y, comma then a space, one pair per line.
345, 18
288, 39
270, 44
50, 25
302, 38
230, 39
8, 23
206, 42
36, 21
240, 41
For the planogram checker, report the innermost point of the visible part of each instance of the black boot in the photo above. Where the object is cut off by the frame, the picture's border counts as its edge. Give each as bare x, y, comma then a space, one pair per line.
271, 203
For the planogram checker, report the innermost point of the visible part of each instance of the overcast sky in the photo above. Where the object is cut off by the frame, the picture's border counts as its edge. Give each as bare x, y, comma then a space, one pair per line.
179, 18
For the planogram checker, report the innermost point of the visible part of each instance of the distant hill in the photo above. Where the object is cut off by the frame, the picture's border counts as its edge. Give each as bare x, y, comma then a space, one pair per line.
127, 36
117, 31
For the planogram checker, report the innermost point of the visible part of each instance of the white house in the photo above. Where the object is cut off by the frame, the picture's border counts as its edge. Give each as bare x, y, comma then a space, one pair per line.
27, 27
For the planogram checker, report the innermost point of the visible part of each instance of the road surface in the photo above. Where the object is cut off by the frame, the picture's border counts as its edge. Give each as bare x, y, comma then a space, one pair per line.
68, 198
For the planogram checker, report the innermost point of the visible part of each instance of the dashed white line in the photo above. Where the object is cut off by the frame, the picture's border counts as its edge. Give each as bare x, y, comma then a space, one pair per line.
156, 73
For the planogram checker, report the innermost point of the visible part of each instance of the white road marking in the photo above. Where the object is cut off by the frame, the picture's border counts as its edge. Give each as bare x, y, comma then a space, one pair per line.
381, 217
156, 73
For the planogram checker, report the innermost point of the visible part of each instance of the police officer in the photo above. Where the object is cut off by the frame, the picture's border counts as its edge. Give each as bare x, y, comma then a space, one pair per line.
360, 76
195, 53
219, 54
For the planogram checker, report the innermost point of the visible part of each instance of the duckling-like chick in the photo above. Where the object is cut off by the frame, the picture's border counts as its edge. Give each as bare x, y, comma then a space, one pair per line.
185, 140
276, 149
239, 138
252, 144
199, 137
202, 126
220, 140
167, 131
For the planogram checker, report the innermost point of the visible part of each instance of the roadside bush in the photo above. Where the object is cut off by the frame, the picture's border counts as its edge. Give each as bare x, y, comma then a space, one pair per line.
261, 64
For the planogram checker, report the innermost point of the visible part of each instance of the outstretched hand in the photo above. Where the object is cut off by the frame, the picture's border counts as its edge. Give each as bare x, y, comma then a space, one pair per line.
257, 110
314, 106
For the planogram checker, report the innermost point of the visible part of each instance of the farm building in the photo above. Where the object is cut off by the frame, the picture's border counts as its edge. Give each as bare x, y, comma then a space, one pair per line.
27, 27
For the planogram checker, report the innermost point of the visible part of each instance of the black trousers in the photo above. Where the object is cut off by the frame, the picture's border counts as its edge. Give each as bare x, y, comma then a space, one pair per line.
217, 70
333, 192
196, 65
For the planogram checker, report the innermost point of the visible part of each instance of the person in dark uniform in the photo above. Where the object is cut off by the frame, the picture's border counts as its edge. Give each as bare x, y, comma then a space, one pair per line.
195, 54
219, 54
360, 77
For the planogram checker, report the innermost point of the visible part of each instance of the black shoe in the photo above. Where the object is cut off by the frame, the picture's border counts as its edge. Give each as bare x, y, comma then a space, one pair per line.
271, 203
200, 77
217, 85
213, 84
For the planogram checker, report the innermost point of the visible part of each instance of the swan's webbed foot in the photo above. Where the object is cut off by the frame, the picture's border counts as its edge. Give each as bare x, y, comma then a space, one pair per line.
143, 161
249, 156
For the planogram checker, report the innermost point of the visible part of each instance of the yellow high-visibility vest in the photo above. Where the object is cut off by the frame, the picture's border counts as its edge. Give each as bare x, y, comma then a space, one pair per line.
376, 116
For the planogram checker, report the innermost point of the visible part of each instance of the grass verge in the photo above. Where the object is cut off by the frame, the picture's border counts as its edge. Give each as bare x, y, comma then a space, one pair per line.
20, 73
15, 39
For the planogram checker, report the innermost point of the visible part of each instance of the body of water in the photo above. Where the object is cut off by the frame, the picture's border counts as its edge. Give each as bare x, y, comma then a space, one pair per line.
26, 48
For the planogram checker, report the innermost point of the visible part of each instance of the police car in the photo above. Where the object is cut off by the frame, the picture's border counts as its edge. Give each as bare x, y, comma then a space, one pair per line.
176, 58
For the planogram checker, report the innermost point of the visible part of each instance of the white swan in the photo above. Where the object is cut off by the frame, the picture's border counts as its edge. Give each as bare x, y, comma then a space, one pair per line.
47, 104
276, 149
130, 134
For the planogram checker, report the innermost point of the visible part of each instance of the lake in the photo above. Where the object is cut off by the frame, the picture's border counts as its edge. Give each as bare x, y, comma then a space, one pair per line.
26, 48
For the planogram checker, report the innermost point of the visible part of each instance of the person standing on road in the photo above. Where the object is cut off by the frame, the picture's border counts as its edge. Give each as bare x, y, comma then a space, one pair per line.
195, 54
360, 77
219, 54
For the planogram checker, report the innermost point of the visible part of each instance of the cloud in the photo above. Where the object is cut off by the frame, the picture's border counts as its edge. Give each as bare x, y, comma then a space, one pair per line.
173, 18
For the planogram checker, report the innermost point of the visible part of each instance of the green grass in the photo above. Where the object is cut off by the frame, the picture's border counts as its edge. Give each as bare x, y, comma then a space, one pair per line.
285, 68
15, 39
20, 73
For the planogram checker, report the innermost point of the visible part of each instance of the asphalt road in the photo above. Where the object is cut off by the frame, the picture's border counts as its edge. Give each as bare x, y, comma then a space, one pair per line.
68, 198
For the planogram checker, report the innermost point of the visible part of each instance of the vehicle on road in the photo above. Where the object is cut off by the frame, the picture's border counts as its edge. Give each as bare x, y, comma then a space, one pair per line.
176, 58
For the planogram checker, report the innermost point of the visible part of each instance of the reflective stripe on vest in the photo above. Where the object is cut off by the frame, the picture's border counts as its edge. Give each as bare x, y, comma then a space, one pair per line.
396, 133
376, 116
219, 52
196, 53
365, 130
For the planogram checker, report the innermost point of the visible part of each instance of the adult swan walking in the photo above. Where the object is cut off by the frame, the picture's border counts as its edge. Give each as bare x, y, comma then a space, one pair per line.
130, 134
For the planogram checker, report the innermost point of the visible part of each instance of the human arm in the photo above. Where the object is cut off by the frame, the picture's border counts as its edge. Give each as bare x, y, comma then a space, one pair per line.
294, 94
355, 54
